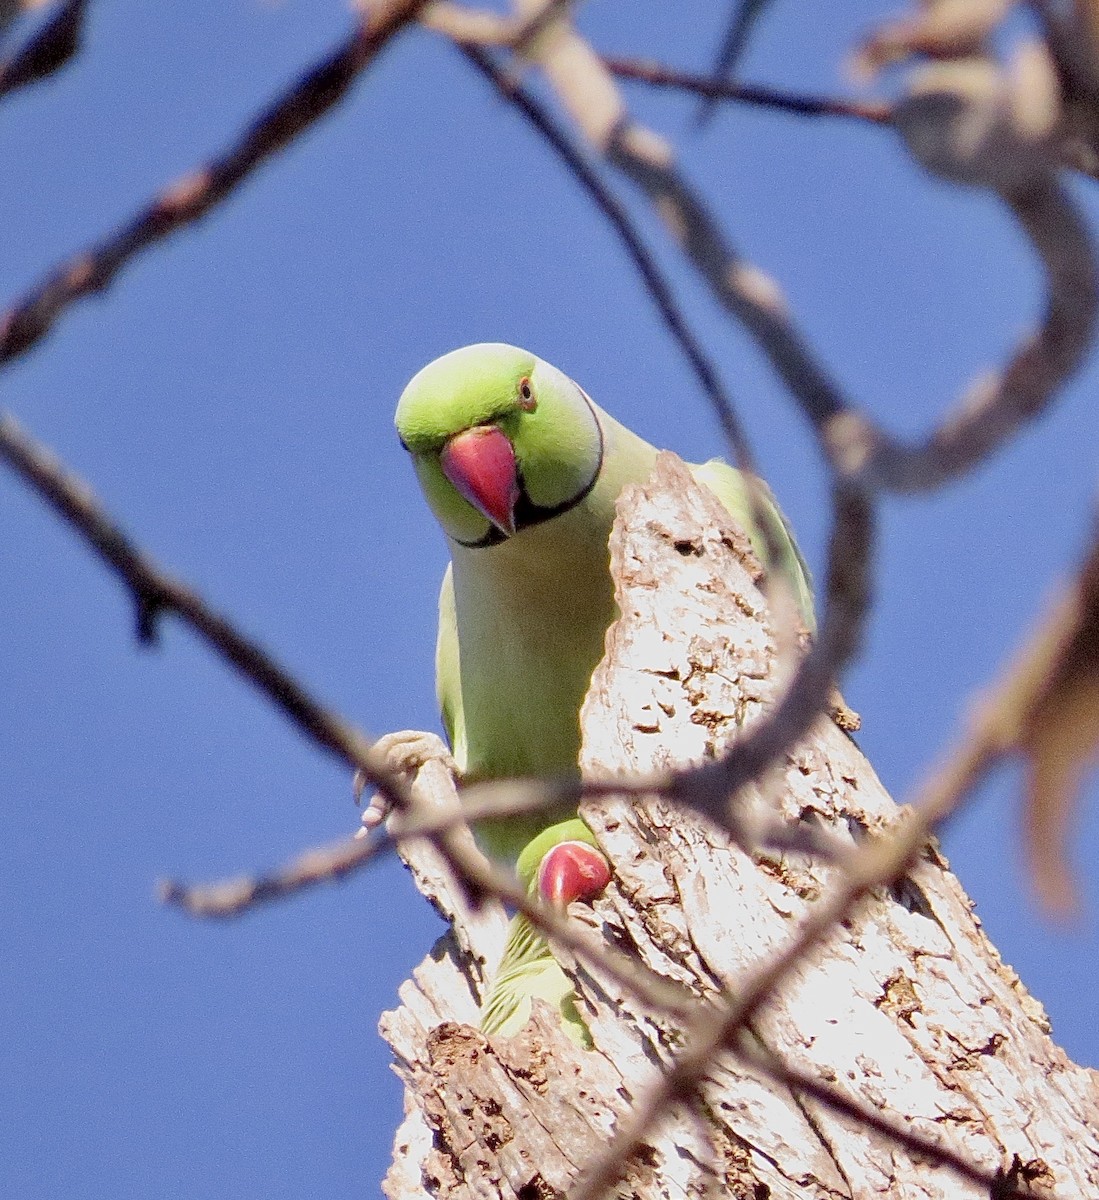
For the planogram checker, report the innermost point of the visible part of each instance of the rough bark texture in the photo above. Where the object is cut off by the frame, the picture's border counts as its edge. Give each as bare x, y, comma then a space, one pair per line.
907, 1008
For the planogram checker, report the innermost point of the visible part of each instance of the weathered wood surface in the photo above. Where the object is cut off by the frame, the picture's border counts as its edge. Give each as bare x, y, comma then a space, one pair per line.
907, 1008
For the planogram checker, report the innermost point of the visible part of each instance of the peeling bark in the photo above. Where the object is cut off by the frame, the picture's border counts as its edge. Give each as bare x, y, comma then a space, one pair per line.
907, 1008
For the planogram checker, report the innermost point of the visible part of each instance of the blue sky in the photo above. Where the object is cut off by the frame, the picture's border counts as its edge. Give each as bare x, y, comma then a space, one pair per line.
230, 399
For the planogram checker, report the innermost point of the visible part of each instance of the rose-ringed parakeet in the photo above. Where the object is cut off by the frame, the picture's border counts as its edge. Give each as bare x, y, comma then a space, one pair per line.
522, 470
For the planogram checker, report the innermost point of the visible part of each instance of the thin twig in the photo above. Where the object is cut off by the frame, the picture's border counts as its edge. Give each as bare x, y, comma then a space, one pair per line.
48, 49
234, 897
745, 16
658, 75
190, 198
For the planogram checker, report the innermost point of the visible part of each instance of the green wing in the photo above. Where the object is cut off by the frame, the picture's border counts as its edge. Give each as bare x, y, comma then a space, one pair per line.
729, 486
528, 971
448, 680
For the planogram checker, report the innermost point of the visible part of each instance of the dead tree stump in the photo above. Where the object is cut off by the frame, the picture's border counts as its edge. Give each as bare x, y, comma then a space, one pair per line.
907, 1007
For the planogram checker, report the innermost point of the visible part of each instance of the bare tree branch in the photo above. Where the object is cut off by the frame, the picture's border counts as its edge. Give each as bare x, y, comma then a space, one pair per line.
743, 19
715, 88
190, 198
47, 50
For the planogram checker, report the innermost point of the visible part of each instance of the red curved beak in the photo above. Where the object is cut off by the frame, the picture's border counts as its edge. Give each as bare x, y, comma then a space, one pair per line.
480, 463
572, 871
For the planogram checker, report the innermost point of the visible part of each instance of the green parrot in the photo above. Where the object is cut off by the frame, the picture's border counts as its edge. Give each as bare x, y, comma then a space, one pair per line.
522, 470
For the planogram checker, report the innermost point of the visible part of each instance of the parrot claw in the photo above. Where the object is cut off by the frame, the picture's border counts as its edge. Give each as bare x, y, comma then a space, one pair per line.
374, 814
405, 751
572, 871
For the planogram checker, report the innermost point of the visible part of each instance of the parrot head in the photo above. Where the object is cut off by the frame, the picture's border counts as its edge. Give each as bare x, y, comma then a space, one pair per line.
500, 439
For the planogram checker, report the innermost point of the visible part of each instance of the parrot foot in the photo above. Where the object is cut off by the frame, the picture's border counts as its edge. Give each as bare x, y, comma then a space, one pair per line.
572, 871
406, 751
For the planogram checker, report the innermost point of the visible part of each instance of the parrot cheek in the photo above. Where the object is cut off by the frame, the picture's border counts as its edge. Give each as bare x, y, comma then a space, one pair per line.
572, 871
480, 464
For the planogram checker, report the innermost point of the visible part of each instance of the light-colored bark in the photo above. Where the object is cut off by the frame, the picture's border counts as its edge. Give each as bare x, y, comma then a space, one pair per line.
907, 1008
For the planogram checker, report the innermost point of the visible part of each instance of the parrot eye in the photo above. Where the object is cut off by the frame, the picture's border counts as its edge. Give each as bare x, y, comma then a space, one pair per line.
527, 401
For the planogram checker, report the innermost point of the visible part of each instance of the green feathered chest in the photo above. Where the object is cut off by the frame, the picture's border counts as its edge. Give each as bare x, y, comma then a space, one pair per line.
530, 617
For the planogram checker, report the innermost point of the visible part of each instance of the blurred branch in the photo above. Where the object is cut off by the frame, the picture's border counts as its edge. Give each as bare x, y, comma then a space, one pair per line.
478, 28
1000, 404
715, 88
490, 800
12, 10
47, 50
745, 15
1045, 707
190, 198
155, 593
234, 897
